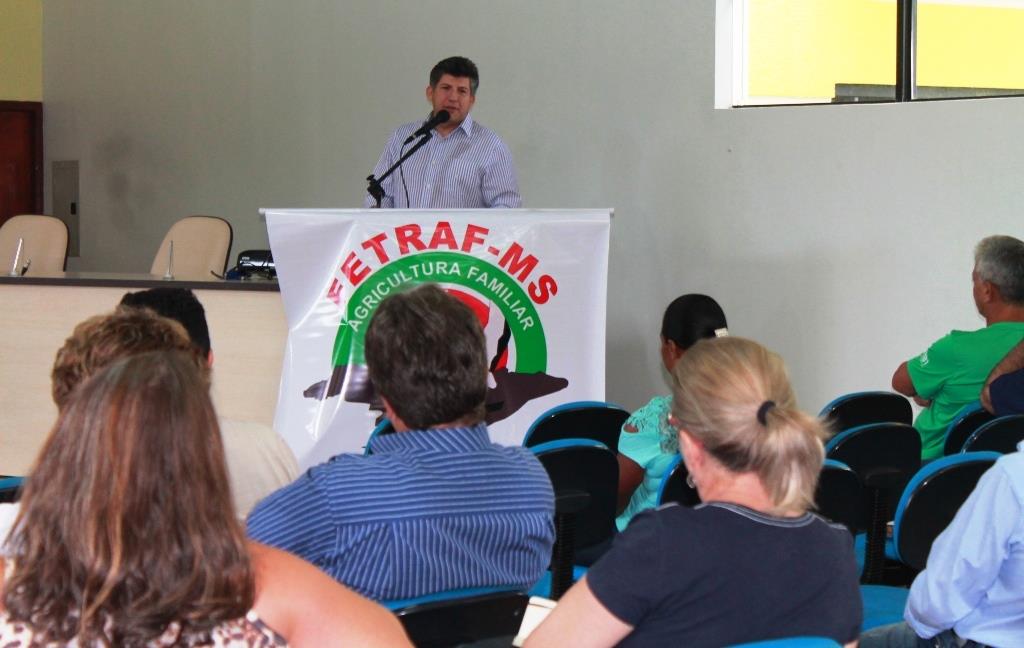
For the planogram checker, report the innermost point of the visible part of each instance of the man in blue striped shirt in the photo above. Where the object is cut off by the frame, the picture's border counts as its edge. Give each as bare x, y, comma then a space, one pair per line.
437, 506
463, 165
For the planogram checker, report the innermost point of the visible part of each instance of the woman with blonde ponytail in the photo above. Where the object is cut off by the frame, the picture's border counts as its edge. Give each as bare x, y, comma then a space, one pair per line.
748, 564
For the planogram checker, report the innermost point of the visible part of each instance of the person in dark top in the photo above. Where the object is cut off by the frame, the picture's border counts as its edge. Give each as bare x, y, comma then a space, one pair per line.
1003, 393
750, 563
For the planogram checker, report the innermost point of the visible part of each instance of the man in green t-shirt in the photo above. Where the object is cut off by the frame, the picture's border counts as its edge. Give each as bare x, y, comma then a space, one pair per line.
951, 373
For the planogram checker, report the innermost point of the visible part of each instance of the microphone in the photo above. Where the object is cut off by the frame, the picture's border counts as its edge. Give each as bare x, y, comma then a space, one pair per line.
440, 117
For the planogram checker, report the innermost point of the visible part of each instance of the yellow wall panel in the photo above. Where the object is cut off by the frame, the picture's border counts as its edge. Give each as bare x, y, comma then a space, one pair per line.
798, 48
802, 48
21, 50
973, 47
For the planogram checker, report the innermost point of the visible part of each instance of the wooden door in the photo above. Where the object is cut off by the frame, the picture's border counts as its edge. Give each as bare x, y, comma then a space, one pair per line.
21, 158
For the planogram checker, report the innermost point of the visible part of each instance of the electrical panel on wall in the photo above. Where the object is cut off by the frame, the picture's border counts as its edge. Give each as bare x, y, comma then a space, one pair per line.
65, 200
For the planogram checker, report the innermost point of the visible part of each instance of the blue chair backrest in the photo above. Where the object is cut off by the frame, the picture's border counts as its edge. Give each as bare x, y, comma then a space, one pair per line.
464, 617
930, 501
584, 466
10, 489
999, 435
862, 408
384, 427
969, 419
674, 488
876, 450
840, 496
792, 642
595, 420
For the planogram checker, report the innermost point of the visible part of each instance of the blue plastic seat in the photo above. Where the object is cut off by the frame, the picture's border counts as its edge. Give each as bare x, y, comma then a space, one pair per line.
883, 605
998, 435
674, 488
969, 419
543, 586
792, 642
584, 475
861, 408
596, 420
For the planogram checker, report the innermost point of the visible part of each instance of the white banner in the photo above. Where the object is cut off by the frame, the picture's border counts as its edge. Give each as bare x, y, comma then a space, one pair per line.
536, 280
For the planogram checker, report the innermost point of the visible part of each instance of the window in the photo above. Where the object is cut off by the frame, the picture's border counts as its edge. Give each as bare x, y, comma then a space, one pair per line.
842, 51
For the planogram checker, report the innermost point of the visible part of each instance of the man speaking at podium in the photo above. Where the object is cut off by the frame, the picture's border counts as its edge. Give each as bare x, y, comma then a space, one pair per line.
464, 164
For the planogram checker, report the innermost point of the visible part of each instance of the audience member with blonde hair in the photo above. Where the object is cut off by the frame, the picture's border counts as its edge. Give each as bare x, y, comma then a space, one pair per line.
127, 535
750, 563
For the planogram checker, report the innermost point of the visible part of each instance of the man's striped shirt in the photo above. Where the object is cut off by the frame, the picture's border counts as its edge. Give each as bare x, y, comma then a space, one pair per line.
470, 168
429, 511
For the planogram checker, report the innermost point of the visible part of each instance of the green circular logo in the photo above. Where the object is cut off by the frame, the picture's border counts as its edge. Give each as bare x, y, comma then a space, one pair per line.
472, 273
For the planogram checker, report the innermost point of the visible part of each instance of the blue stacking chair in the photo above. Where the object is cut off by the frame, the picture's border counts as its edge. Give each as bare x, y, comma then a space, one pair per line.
969, 419
885, 456
10, 489
928, 504
595, 420
862, 408
384, 427
460, 617
930, 501
674, 488
998, 435
840, 496
584, 475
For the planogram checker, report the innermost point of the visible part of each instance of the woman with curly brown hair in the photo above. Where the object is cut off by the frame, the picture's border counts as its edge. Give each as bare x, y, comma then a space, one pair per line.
127, 535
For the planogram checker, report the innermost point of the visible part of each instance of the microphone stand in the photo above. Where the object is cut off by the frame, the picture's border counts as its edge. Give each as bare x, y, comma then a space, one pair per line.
374, 188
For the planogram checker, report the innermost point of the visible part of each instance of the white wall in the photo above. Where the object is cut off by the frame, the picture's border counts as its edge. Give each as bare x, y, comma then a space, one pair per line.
840, 236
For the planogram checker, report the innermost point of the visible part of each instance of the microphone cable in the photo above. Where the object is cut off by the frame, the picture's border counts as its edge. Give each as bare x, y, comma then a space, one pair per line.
401, 174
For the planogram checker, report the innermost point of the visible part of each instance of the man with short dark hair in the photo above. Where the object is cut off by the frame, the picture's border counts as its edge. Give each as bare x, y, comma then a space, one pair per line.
178, 304
951, 373
259, 461
463, 165
437, 506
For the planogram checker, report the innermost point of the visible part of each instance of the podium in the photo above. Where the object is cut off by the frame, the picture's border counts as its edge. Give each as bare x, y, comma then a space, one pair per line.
536, 279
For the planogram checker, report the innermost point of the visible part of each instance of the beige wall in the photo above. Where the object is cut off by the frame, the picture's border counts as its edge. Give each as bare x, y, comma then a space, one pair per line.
841, 236
21, 50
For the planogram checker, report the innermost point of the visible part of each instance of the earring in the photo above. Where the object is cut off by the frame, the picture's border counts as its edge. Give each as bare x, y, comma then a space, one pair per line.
689, 482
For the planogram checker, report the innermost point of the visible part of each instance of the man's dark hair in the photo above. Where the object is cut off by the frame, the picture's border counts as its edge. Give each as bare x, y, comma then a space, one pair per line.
457, 66
178, 304
426, 356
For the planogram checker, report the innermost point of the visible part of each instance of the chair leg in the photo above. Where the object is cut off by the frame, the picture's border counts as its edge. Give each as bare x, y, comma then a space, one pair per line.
563, 554
874, 552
